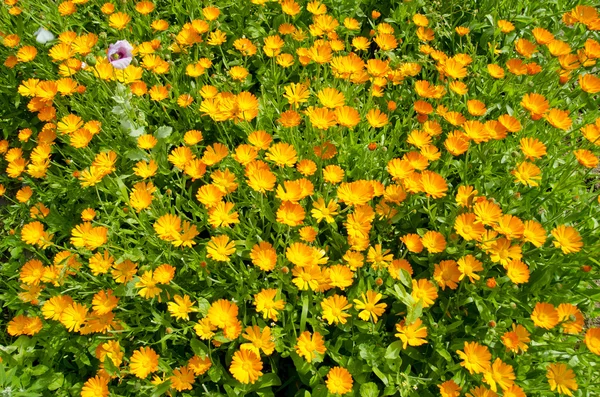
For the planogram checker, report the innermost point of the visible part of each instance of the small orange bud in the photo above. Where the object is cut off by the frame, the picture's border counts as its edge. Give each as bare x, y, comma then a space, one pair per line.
81, 89
375, 14
491, 282
492, 324
12, 232
372, 146
563, 79
125, 209
203, 264
586, 268
285, 270
379, 281
76, 174
391, 105
169, 330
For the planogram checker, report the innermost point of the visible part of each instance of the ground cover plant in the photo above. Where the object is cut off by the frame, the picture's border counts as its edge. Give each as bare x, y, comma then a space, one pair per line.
293, 198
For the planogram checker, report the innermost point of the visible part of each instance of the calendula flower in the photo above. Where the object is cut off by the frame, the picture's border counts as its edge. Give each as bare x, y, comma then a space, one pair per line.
467, 266
334, 309
220, 248
592, 340
181, 308
475, 358
309, 346
199, 364
544, 315
562, 379
246, 366
517, 339
266, 303
449, 388
499, 374
424, 290
412, 334
447, 274
143, 362
517, 271
567, 238
368, 306
339, 381
570, 317
73, 316
95, 387
182, 379
222, 313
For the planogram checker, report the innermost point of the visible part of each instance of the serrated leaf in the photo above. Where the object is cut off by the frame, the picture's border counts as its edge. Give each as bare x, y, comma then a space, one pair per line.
369, 390
163, 131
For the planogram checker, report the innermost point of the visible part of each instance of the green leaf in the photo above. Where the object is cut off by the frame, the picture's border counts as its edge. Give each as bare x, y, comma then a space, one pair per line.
203, 306
57, 382
199, 348
301, 365
369, 390
161, 389
163, 131
304, 313
414, 312
267, 380
320, 391
393, 350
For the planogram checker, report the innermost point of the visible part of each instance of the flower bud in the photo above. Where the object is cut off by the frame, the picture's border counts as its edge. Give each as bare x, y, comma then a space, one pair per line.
90, 60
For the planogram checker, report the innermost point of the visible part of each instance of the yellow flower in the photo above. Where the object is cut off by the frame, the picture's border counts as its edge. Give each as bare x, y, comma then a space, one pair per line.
181, 308
143, 362
368, 306
259, 340
413, 334
266, 304
561, 378
567, 239
95, 387
339, 381
499, 374
220, 248
246, 366
476, 358
333, 309
309, 346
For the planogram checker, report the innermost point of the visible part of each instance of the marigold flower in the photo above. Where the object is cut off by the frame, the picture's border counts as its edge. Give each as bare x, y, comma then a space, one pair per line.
567, 238
309, 346
562, 379
475, 358
544, 315
592, 340
339, 381
143, 362
424, 290
220, 248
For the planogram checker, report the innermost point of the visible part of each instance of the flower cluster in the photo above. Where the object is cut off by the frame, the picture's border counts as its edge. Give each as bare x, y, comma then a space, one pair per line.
286, 198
